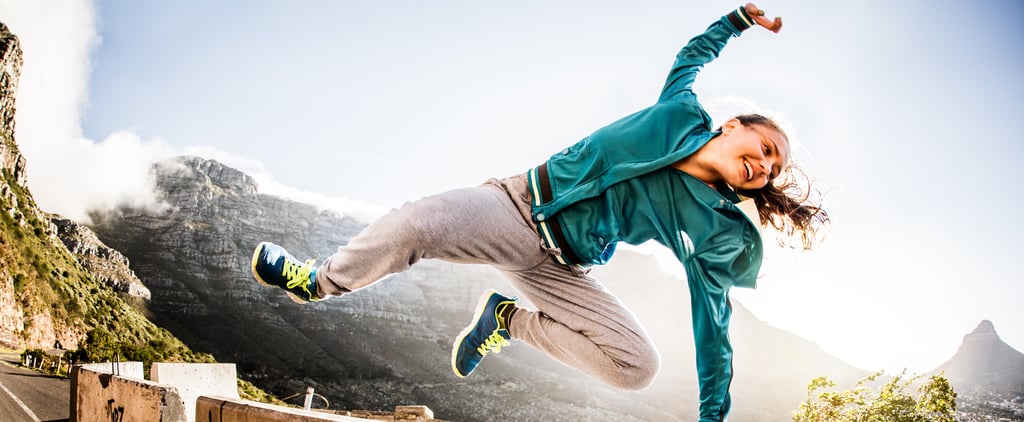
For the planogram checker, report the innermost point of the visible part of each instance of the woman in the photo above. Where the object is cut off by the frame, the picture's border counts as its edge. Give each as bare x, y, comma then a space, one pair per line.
662, 173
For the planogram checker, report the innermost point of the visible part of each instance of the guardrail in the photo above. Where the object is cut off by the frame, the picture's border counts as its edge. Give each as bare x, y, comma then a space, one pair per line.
196, 392
118, 392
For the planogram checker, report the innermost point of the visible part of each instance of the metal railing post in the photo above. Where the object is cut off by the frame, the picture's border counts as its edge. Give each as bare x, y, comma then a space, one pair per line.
309, 399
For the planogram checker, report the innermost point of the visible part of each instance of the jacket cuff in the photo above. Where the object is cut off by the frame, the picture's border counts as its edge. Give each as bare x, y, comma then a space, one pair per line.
740, 19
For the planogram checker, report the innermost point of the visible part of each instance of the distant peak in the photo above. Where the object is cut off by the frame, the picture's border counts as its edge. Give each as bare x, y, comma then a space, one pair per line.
985, 327
985, 332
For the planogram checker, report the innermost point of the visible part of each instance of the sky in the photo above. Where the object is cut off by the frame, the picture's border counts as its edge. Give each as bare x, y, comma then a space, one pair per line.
907, 115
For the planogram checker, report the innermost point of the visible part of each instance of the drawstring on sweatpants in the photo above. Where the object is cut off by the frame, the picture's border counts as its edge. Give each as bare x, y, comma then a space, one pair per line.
551, 251
577, 270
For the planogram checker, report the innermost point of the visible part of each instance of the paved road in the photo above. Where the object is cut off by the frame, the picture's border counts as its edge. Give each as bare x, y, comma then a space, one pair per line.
27, 396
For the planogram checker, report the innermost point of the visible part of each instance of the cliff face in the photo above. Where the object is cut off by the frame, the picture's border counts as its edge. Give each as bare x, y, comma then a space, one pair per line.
10, 72
11, 161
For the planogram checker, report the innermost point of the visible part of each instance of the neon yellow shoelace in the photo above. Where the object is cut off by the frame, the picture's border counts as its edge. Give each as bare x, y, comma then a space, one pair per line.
297, 275
494, 342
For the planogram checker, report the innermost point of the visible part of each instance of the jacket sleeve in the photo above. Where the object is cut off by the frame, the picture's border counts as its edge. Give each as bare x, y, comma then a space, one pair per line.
709, 274
701, 50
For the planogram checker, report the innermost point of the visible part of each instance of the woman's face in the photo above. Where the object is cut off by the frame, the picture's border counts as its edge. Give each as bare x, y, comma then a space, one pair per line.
751, 155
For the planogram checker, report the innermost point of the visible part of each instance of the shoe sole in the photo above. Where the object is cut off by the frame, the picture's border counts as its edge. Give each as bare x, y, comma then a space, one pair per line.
255, 259
480, 306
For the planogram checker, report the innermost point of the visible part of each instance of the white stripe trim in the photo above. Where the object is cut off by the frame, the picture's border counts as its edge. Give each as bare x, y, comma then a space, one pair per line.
547, 239
743, 16
534, 187
545, 232
28, 411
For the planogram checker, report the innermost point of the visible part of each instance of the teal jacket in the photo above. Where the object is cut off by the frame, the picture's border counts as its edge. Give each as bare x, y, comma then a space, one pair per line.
618, 184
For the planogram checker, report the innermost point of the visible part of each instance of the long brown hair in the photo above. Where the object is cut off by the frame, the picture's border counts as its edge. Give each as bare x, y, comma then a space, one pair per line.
789, 203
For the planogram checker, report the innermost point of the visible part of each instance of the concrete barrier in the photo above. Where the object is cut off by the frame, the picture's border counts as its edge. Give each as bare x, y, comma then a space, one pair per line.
118, 392
227, 409
193, 392
196, 379
122, 369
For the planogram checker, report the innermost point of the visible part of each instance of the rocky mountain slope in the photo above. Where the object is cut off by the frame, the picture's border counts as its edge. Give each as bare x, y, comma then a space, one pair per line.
390, 344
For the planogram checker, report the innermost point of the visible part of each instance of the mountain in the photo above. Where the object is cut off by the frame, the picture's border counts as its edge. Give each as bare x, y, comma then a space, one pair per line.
988, 376
984, 361
389, 344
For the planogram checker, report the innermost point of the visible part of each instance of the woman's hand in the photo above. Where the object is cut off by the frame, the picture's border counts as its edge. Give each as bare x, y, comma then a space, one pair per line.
773, 25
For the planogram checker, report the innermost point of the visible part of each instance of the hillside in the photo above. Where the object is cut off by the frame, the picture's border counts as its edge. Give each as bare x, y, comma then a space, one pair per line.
50, 293
390, 344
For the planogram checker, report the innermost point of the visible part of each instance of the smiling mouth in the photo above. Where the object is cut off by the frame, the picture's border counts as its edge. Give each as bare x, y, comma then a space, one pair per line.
750, 171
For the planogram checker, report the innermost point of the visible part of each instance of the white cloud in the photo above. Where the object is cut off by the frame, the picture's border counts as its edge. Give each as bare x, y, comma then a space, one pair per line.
82, 175
56, 38
67, 173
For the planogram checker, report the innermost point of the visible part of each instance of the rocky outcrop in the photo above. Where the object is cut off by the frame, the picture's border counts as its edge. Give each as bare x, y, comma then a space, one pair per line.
10, 72
12, 319
10, 159
107, 265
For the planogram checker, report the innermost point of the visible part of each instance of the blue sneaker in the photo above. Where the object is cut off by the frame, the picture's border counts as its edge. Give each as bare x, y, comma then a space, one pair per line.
273, 266
488, 332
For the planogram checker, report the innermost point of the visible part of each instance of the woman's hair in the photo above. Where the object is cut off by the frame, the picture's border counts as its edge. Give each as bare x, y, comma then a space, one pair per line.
788, 203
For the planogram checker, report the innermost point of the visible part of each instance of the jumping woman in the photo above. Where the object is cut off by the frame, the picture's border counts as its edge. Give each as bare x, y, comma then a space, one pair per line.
663, 173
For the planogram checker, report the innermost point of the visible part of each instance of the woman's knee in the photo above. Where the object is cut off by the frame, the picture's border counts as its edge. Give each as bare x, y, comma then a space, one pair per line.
641, 372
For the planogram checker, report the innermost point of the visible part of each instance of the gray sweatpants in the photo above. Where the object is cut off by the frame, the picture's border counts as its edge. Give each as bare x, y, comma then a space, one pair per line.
577, 320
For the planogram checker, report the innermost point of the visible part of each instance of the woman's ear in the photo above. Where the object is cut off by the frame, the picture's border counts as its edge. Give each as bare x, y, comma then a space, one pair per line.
730, 126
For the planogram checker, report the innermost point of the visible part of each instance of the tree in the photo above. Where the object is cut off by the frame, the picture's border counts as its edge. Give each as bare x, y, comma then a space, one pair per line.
893, 402
99, 345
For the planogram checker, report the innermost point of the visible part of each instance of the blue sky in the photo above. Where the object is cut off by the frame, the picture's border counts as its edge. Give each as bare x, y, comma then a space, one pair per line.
906, 113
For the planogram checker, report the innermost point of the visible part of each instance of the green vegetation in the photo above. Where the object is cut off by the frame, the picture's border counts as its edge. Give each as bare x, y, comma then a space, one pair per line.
894, 401
248, 391
49, 281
